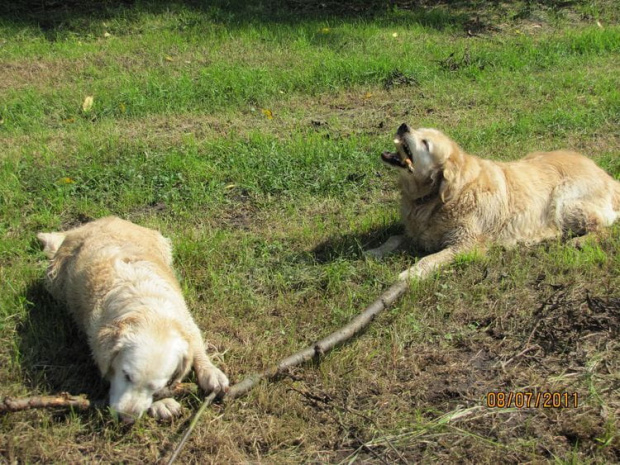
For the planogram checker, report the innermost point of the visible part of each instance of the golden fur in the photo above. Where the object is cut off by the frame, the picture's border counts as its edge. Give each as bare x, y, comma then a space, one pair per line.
452, 201
117, 282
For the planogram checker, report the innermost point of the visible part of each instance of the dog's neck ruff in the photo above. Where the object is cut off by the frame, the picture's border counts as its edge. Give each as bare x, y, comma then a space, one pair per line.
427, 198
431, 195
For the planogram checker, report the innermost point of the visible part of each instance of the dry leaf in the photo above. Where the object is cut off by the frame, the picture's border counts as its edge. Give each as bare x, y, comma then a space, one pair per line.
169, 58
367, 95
87, 104
395, 34
66, 181
268, 113
122, 107
230, 186
107, 34
325, 30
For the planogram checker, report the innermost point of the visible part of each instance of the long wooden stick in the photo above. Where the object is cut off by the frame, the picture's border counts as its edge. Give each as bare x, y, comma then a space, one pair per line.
316, 350
324, 345
177, 450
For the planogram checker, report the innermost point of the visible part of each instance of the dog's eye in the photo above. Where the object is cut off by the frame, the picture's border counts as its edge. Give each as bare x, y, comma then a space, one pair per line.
127, 377
425, 142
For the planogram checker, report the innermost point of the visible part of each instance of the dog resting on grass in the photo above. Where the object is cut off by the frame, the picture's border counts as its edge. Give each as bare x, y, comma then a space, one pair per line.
452, 202
117, 281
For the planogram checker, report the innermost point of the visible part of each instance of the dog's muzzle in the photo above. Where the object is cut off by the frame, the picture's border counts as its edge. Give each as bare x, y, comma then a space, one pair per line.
395, 158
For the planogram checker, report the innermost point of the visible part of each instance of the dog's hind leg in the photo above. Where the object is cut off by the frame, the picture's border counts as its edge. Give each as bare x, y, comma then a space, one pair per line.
386, 248
51, 242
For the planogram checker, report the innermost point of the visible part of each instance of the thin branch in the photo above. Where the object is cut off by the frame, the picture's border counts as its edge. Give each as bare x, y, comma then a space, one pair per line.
316, 350
523, 352
81, 402
324, 345
177, 450
387, 439
327, 399
13, 404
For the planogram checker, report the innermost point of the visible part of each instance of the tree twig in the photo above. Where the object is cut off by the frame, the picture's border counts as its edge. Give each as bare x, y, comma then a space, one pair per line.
64, 399
177, 450
81, 402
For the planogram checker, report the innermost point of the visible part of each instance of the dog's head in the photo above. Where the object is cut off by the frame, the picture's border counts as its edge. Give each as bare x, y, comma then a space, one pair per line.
426, 157
144, 358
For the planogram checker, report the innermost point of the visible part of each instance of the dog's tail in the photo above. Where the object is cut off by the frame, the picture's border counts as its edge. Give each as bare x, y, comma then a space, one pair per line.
51, 242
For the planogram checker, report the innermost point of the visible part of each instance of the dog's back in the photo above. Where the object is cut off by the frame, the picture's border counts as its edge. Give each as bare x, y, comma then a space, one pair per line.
562, 191
85, 262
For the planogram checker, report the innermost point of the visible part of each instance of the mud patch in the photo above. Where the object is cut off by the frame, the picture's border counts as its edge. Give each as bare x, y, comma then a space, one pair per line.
75, 221
438, 388
570, 326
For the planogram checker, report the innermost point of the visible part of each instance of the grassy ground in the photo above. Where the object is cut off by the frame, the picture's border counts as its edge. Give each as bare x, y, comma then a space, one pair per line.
250, 135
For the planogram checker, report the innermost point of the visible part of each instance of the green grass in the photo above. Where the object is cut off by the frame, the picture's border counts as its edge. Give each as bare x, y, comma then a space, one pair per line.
250, 135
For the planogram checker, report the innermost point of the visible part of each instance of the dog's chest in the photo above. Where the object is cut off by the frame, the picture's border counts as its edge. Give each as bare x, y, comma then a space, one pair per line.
428, 224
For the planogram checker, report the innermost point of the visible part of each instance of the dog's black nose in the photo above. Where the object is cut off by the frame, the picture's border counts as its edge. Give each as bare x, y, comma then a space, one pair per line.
403, 129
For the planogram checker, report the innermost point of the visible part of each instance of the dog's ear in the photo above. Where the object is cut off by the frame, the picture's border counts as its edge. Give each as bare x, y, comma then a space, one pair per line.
184, 347
109, 342
450, 172
447, 178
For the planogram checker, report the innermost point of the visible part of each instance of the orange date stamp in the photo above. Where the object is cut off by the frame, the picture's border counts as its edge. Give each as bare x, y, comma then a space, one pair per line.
526, 399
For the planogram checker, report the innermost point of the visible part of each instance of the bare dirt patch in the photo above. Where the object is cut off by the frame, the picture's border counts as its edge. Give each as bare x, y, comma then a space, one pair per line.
572, 338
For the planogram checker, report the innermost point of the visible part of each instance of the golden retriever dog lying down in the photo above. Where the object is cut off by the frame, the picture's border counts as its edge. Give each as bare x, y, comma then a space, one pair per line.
452, 201
117, 281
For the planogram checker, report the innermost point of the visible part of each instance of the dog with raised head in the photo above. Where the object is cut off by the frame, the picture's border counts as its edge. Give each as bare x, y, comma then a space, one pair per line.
452, 202
117, 281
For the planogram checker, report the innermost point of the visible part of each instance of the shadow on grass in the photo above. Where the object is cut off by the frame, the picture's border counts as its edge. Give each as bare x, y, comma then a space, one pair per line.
54, 354
352, 246
59, 17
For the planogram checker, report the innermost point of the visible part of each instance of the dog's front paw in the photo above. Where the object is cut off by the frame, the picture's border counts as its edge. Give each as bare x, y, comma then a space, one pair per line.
375, 254
165, 409
410, 273
211, 379
386, 248
420, 270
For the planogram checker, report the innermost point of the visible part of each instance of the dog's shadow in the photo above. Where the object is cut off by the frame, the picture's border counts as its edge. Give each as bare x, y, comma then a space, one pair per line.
54, 354
353, 246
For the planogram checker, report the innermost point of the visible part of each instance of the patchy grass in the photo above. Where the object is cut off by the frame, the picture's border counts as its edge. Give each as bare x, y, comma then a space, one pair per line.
250, 135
